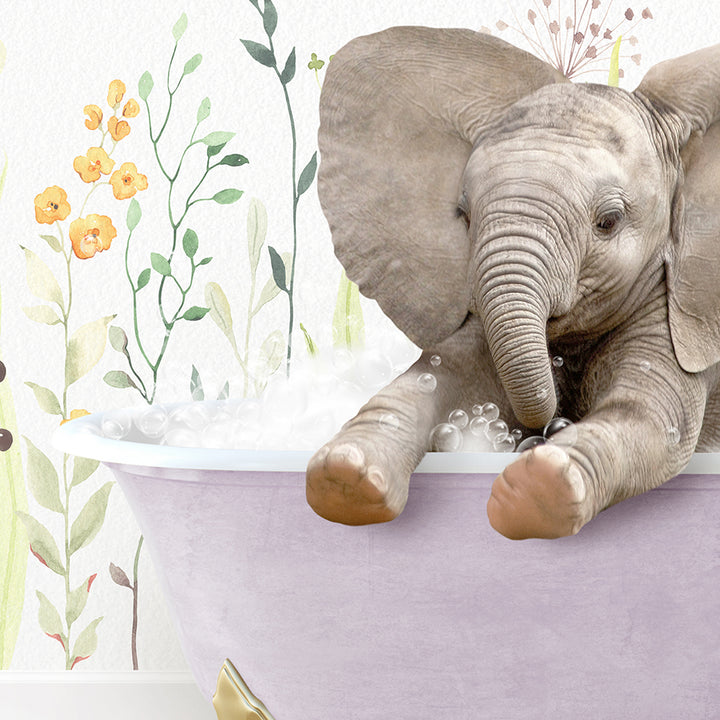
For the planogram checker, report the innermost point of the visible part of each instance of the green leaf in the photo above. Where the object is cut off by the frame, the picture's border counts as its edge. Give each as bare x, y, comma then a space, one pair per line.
85, 348
259, 52
307, 175
204, 110
288, 72
160, 264
134, 214
118, 339
53, 242
348, 323
83, 468
219, 137
234, 160
190, 243
119, 576
192, 64
143, 278
309, 344
220, 311
90, 520
278, 269
270, 18
119, 379
86, 644
196, 388
614, 77
204, 261
42, 544
42, 479
180, 27
224, 394
256, 232
228, 196
42, 314
145, 85
46, 399
271, 290
314, 63
271, 353
49, 618
77, 600
195, 313
214, 149
255, 3
40, 280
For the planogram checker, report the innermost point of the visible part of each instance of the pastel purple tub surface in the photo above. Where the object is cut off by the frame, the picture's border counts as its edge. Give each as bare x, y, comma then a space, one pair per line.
433, 615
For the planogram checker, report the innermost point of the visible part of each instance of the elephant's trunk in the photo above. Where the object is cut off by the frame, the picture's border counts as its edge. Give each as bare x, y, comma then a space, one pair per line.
514, 300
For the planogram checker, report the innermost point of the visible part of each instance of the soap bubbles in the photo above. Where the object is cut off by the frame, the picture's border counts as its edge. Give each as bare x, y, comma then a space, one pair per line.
557, 361
504, 443
116, 426
446, 438
389, 422
530, 442
435, 360
426, 383
673, 435
567, 437
458, 418
153, 421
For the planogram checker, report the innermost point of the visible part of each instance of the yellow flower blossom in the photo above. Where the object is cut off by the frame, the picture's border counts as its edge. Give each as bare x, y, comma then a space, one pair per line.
91, 234
118, 128
131, 109
115, 93
91, 165
127, 181
51, 205
75, 414
95, 116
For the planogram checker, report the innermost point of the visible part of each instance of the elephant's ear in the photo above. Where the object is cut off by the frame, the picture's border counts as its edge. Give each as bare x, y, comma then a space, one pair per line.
686, 94
399, 113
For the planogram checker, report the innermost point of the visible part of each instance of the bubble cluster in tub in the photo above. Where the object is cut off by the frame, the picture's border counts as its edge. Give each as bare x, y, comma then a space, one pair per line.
305, 410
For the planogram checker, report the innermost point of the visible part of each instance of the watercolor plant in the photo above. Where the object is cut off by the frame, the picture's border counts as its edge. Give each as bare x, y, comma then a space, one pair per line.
265, 55
171, 309
584, 39
87, 235
13, 499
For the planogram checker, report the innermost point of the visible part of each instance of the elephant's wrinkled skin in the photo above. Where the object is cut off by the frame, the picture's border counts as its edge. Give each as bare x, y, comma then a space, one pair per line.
501, 215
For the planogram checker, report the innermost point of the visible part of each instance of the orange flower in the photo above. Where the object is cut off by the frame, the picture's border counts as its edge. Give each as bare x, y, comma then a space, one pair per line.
127, 181
91, 165
115, 93
131, 109
95, 115
91, 234
75, 414
51, 205
118, 128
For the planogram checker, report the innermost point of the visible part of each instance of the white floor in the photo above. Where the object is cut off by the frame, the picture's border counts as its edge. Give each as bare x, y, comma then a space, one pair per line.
102, 696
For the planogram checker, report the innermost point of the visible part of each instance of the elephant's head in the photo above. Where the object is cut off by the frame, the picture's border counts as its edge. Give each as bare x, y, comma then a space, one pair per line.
460, 174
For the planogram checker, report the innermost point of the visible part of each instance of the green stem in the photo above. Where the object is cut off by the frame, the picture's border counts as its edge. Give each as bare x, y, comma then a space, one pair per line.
143, 391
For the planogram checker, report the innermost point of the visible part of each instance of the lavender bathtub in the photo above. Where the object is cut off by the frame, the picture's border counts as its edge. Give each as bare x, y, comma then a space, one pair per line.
433, 615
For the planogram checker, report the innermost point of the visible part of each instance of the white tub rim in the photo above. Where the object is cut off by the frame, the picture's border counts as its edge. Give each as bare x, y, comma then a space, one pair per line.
81, 437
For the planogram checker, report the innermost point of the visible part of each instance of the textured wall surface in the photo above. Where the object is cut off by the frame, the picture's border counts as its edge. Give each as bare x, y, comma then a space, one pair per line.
149, 164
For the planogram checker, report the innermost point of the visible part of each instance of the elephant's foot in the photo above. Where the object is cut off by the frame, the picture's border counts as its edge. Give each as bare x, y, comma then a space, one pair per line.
540, 495
342, 486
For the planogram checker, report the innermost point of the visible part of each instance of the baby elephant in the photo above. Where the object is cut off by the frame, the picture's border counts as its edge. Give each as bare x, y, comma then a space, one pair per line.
501, 215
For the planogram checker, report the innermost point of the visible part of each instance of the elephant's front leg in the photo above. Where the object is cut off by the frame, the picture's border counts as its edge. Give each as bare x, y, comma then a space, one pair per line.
362, 475
643, 420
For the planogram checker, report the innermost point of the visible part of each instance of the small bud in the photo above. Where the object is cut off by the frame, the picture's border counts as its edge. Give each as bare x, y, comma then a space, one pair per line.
591, 52
595, 4
579, 37
500, 25
594, 29
554, 27
607, 34
636, 58
633, 40
568, 23
546, 3
647, 15
531, 16
629, 14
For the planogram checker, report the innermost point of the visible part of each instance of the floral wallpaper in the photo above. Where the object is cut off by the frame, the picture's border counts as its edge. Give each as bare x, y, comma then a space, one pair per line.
163, 240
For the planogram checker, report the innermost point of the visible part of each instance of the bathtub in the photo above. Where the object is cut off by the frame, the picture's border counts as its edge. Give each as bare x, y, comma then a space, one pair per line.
433, 615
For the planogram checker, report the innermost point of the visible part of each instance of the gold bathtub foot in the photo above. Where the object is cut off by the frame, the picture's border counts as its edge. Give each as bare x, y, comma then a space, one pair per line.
233, 699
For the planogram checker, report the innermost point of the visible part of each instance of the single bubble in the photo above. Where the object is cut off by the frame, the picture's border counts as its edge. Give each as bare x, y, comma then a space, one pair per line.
427, 383
478, 425
389, 422
645, 365
504, 443
153, 421
557, 361
181, 437
490, 412
517, 434
435, 360
195, 415
375, 369
458, 418
116, 425
445, 438
477, 409
569, 433
219, 434
530, 442
673, 435
495, 429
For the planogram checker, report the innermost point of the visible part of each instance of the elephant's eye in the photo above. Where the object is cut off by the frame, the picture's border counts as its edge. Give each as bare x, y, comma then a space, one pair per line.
463, 209
608, 221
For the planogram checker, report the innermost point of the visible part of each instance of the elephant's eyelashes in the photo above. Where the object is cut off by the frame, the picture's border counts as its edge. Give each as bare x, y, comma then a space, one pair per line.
463, 209
608, 221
